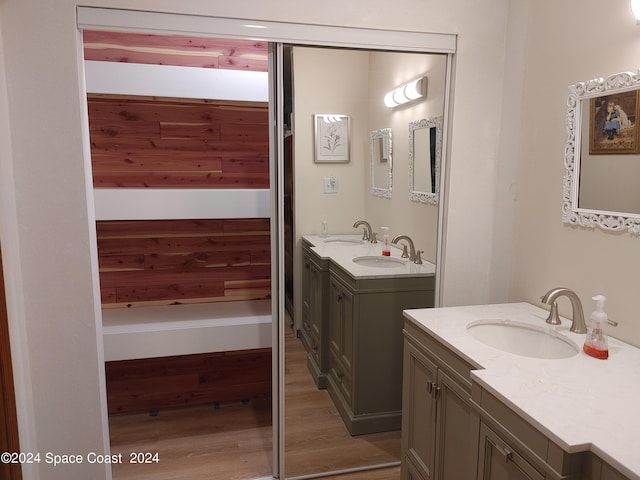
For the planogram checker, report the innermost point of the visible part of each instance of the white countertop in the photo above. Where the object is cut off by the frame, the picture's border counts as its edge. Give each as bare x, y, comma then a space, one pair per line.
581, 403
343, 254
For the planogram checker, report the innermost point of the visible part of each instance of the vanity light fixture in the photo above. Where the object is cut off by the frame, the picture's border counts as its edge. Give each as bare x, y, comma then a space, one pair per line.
635, 8
407, 92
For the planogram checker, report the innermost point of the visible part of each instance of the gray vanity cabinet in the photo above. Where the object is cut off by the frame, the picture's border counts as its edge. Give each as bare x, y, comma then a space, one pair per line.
439, 436
453, 428
365, 346
314, 333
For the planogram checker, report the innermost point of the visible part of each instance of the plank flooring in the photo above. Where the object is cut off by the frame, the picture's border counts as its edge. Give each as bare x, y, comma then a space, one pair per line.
316, 439
234, 442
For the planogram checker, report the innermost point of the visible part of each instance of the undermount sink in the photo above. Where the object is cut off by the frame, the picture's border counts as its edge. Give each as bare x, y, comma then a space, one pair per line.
379, 261
522, 339
343, 241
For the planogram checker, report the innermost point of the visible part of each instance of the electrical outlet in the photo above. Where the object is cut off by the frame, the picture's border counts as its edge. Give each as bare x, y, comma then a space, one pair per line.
330, 184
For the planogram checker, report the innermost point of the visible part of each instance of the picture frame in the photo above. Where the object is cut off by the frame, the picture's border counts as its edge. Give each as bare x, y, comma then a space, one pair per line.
332, 138
613, 124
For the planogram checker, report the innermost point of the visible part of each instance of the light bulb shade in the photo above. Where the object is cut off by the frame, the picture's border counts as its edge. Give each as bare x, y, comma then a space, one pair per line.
399, 97
388, 100
413, 90
635, 8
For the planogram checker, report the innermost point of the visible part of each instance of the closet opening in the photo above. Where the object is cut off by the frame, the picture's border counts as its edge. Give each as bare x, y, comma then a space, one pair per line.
179, 134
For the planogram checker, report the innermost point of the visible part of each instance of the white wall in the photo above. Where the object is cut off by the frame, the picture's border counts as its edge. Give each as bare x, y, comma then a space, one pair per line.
45, 228
580, 40
402, 216
327, 81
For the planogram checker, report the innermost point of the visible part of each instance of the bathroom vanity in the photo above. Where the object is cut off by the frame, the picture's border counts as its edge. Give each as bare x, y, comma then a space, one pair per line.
473, 411
352, 325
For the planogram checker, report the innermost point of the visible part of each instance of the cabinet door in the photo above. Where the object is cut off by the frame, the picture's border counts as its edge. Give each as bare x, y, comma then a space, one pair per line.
418, 413
498, 461
341, 324
306, 297
410, 472
315, 299
455, 439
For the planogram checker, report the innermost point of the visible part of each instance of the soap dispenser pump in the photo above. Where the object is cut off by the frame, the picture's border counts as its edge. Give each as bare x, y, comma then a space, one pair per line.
595, 344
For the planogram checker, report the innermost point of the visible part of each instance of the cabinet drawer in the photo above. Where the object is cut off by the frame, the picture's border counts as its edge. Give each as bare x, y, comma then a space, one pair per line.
342, 378
314, 344
498, 460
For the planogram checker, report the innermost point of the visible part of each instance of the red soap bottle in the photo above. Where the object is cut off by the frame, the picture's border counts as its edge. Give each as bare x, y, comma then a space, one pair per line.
596, 343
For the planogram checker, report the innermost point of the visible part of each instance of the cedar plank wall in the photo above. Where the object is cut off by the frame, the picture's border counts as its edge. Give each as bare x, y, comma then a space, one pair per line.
178, 143
153, 383
181, 261
172, 143
177, 50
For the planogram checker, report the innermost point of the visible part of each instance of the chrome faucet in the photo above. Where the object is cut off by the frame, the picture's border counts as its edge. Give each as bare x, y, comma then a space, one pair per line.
367, 233
578, 325
412, 248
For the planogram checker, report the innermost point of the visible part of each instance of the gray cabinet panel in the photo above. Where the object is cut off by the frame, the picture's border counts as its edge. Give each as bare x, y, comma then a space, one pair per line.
419, 412
365, 344
455, 435
315, 329
439, 436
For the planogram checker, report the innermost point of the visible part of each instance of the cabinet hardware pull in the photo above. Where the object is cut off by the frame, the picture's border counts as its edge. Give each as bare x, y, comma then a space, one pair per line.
505, 452
433, 387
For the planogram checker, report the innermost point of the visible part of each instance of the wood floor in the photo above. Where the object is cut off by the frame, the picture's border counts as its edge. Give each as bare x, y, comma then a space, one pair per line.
316, 439
234, 442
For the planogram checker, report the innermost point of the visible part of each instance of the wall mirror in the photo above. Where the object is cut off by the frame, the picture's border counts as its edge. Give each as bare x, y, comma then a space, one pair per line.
381, 162
602, 154
425, 150
316, 438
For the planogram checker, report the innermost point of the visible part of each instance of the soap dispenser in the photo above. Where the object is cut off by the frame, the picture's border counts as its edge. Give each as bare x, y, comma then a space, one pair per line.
596, 342
385, 235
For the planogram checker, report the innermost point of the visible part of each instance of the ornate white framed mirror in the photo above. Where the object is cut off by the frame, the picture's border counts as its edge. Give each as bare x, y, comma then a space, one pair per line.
380, 146
425, 151
602, 154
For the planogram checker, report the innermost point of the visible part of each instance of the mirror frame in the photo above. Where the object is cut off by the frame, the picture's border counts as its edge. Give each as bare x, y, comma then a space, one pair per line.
414, 195
571, 212
386, 136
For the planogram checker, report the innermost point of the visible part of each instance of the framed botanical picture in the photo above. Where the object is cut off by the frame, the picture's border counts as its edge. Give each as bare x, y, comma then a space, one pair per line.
613, 121
331, 138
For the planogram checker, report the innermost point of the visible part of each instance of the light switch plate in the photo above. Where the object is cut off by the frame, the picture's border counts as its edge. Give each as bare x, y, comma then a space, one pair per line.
330, 184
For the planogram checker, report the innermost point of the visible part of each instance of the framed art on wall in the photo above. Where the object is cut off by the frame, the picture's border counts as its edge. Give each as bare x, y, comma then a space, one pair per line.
331, 138
613, 123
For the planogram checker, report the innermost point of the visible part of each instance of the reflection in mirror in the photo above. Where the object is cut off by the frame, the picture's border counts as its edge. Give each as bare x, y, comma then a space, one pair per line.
602, 154
425, 150
381, 163
317, 438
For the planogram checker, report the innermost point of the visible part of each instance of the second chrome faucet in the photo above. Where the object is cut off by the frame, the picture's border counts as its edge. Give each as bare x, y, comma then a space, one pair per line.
414, 256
